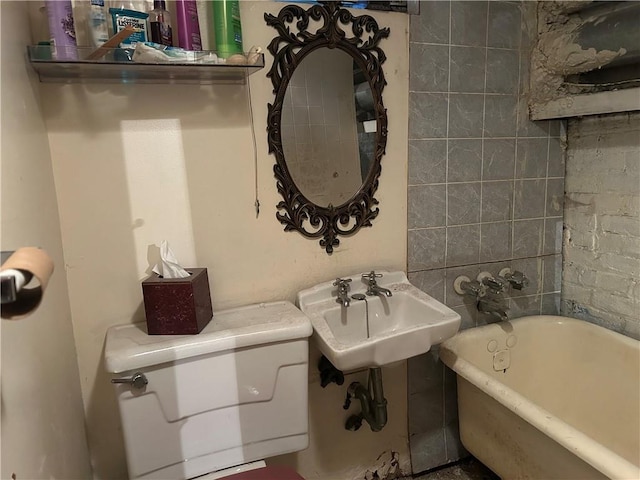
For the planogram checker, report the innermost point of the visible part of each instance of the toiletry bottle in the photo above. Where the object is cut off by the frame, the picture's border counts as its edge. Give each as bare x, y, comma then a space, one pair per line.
188, 26
130, 14
98, 29
62, 30
227, 27
160, 24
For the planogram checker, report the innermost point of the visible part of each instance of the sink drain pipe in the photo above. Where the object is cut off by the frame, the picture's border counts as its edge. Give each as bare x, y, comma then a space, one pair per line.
372, 402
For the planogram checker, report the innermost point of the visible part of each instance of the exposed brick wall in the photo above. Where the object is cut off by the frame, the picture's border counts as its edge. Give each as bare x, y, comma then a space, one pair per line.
601, 256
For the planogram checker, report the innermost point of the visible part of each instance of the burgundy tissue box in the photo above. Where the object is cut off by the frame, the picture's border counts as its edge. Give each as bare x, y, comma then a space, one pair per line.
177, 306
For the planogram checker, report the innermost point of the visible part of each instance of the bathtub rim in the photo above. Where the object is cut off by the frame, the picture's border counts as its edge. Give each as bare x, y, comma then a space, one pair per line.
595, 454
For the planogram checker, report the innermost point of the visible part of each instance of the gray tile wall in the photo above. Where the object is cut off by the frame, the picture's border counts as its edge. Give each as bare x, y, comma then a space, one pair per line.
485, 186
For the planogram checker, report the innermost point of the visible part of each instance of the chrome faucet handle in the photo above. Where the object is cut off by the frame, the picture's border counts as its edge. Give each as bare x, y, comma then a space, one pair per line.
517, 279
465, 286
371, 276
342, 294
497, 284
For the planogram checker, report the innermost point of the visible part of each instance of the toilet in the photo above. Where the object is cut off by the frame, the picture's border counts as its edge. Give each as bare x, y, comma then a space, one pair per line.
216, 404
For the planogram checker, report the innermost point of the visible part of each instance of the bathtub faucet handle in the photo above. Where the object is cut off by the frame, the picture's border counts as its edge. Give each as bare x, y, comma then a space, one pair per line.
465, 286
517, 279
495, 284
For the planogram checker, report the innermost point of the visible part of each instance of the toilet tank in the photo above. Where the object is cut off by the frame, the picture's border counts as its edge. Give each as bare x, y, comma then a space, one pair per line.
234, 393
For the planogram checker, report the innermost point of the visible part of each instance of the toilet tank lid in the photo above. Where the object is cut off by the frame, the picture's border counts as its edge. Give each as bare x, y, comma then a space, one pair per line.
129, 347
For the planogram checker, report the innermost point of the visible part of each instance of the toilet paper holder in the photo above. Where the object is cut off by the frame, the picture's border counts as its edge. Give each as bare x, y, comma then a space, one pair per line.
8, 286
24, 275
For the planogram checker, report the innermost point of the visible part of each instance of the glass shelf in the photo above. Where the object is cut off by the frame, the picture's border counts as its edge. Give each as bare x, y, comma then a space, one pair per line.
110, 70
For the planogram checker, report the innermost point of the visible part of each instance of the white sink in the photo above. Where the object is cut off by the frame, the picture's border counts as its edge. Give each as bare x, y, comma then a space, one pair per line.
401, 326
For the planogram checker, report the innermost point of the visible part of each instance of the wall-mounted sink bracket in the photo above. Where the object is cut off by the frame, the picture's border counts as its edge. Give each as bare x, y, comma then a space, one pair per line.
329, 373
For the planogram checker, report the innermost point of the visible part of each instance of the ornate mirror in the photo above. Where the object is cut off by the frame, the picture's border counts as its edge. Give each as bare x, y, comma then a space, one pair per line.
327, 126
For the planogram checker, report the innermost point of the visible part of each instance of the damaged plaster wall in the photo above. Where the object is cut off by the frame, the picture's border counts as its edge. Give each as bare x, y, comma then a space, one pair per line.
574, 39
601, 256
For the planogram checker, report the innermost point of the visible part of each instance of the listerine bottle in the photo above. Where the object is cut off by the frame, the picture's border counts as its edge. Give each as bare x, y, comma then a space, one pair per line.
129, 14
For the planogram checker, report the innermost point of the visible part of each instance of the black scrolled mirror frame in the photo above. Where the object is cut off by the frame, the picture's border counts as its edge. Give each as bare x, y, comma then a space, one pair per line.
289, 49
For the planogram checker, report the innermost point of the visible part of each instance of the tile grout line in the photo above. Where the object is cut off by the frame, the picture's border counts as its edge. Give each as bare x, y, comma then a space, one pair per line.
480, 138
515, 160
484, 117
499, 180
409, 139
446, 167
544, 224
465, 265
461, 45
446, 231
517, 220
463, 92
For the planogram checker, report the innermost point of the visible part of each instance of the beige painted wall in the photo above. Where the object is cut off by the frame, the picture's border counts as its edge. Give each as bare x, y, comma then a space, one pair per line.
43, 434
136, 164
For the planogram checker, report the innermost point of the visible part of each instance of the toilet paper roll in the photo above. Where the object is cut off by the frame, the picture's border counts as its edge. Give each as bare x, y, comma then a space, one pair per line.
32, 262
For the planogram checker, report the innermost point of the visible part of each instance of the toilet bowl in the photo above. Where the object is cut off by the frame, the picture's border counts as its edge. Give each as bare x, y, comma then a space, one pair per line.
203, 406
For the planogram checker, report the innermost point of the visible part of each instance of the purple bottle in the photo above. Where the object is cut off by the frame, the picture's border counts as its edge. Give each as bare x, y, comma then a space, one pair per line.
61, 29
188, 26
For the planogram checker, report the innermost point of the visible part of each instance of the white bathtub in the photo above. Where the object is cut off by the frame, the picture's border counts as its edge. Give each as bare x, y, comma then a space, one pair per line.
546, 397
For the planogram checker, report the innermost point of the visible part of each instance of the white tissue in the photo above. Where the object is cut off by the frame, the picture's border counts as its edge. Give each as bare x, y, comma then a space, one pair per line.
168, 267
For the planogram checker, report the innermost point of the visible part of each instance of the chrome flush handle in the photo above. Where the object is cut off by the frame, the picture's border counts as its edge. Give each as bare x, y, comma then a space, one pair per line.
138, 380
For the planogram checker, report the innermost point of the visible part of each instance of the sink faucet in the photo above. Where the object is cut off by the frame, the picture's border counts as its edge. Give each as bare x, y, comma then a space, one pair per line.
372, 287
343, 291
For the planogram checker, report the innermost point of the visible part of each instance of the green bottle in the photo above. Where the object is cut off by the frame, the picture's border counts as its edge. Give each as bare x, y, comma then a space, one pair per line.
227, 28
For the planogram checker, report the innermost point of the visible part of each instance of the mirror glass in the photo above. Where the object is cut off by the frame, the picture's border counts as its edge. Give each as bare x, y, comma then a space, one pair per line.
328, 127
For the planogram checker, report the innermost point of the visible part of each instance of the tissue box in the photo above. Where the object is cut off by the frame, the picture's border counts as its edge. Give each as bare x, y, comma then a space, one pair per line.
177, 306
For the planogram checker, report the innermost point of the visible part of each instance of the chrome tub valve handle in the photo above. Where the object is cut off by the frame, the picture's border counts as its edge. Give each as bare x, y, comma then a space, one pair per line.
517, 279
463, 285
495, 284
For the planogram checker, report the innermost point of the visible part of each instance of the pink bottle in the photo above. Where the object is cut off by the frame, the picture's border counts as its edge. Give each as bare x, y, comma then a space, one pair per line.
188, 26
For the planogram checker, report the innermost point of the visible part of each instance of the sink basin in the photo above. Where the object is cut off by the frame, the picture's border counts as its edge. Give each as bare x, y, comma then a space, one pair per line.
401, 326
